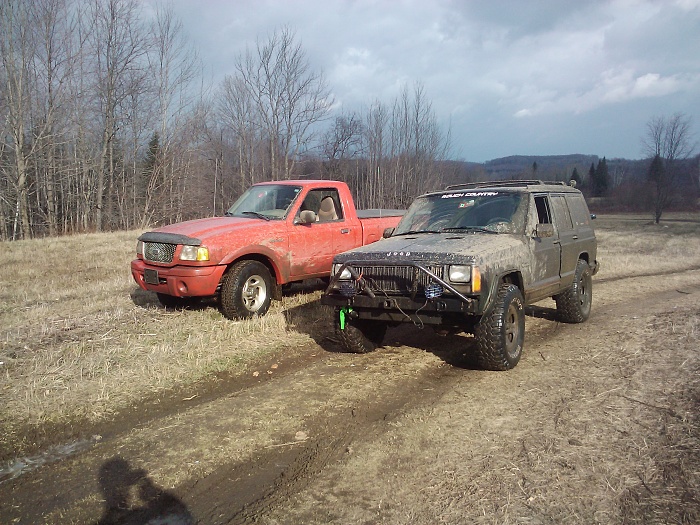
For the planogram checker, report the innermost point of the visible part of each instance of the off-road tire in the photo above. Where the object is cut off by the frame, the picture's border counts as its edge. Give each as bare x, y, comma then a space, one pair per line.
360, 336
246, 290
501, 332
574, 304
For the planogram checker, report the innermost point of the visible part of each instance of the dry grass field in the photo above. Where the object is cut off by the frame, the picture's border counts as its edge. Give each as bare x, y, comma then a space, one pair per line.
597, 424
79, 341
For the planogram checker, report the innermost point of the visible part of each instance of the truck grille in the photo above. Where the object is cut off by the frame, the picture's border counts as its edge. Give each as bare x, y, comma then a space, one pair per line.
398, 279
158, 252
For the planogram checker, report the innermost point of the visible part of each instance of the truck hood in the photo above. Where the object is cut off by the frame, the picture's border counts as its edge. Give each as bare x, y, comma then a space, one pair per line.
199, 231
437, 247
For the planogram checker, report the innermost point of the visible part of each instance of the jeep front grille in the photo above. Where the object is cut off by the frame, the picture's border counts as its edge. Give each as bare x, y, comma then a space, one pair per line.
398, 279
158, 252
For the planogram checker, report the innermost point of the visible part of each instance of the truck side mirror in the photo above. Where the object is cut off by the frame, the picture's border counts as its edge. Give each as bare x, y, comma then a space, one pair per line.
544, 230
594, 216
306, 217
387, 233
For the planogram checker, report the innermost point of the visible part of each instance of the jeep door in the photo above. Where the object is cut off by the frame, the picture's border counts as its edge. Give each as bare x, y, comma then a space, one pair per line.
546, 252
568, 239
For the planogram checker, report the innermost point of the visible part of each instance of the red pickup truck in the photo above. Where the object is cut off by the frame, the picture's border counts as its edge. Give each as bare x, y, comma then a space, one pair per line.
275, 233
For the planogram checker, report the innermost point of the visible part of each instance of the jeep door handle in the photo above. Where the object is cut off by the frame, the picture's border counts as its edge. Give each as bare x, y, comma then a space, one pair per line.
345, 230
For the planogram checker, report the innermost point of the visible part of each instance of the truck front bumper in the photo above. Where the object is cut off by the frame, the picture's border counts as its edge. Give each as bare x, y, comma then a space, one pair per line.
178, 281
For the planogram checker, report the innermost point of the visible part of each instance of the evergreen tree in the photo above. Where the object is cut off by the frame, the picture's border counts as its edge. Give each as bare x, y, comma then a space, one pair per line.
601, 179
576, 177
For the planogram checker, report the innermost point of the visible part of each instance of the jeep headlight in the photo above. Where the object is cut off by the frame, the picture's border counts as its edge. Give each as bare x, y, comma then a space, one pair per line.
460, 273
345, 276
464, 274
194, 253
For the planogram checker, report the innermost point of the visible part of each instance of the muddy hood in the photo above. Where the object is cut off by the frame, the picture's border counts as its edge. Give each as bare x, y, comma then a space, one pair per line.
201, 231
438, 248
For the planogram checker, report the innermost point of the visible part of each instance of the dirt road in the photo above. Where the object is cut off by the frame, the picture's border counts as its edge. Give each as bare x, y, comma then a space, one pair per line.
597, 424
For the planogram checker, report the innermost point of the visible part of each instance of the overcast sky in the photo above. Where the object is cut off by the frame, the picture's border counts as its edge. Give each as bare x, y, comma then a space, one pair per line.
519, 77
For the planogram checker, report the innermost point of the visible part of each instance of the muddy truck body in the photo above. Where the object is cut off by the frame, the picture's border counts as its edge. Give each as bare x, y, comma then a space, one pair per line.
469, 259
275, 234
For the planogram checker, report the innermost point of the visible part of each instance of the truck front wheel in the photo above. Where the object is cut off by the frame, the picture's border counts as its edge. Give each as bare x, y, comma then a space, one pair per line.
246, 290
500, 334
360, 336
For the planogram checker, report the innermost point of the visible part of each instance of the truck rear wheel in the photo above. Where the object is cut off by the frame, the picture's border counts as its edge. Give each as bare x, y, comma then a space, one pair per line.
574, 304
246, 290
500, 333
360, 336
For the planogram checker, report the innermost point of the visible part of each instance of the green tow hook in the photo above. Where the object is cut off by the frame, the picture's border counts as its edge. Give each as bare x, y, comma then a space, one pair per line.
344, 311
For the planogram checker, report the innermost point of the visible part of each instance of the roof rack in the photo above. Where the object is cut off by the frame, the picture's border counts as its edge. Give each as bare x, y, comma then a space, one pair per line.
502, 183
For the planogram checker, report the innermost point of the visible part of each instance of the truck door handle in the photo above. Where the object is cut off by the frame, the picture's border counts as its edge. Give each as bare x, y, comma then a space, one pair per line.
575, 237
556, 242
345, 230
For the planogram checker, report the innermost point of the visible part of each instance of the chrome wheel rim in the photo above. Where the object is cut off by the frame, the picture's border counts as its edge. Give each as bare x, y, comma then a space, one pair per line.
254, 293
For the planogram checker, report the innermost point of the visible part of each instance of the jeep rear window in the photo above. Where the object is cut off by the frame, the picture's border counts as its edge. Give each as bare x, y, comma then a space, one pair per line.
497, 211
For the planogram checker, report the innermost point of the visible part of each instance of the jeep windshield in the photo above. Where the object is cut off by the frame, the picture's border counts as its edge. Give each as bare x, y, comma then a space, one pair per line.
266, 201
477, 211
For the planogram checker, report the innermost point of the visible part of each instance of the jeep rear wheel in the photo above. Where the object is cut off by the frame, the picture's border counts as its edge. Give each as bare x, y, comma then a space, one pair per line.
246, 290
360, 336
500, 333
574, 304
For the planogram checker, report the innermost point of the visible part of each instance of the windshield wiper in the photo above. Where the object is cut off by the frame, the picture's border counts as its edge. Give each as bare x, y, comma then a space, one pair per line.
468, 228
413, 232
256, 214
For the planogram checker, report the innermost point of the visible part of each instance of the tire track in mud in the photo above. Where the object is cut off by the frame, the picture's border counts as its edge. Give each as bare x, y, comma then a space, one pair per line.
354, 400
245, 492
293, 470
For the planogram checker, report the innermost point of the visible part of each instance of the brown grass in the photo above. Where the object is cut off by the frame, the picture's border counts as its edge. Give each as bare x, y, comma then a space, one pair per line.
80, 341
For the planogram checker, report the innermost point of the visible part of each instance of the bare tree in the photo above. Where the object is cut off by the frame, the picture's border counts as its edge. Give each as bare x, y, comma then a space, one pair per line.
289, 96
118, 45
667, 141
17, 52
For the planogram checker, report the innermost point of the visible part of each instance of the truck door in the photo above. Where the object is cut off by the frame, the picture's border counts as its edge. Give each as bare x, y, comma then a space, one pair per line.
313, 245
546, 250
567, 238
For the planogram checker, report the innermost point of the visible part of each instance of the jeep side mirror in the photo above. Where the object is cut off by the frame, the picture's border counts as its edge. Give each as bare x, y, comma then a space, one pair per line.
387, 233
544, 230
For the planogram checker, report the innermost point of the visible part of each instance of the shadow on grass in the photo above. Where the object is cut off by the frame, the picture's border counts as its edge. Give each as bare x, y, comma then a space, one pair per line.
316, 321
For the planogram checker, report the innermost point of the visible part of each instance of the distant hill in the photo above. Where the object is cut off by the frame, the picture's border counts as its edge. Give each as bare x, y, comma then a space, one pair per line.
549, 167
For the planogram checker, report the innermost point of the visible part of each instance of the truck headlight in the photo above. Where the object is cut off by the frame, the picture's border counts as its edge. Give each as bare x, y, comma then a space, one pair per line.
460, 273
345, 276
139, 248
194, 253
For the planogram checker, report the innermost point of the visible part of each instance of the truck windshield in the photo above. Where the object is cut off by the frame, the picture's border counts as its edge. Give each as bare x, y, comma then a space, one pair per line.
268, 201
492, 211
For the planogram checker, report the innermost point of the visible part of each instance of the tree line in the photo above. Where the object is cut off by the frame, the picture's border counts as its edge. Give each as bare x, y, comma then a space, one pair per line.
107, 122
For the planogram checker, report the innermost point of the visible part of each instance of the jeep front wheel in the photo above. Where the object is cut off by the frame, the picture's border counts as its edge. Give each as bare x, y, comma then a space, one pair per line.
501, 332
360, 336
574, 304
246, 290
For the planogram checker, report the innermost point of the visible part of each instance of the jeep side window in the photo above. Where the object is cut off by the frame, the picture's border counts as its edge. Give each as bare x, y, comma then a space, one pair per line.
579, 210
561, 213
543, 214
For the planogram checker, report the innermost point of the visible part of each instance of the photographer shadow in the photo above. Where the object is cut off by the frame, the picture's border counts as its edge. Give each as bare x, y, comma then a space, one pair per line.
131, 498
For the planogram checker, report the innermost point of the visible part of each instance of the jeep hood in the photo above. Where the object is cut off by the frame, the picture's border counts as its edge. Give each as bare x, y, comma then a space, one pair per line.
437, 247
